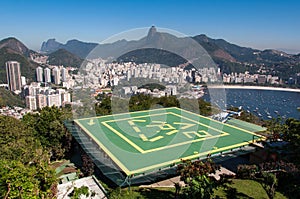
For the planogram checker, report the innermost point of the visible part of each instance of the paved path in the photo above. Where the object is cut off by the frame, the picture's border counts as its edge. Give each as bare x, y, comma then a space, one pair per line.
170, 182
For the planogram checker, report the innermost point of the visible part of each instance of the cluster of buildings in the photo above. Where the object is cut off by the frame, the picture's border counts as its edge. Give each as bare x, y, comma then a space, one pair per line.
38, 97
168, 91
244, 78
40, 94
16, 112
57, 75
98, 73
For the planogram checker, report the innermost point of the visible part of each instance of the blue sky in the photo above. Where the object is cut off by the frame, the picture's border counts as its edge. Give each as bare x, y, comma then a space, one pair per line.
259, 24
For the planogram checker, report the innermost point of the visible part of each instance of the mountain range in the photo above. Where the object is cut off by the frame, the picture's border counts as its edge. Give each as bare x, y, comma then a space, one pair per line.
229, 57
217, 48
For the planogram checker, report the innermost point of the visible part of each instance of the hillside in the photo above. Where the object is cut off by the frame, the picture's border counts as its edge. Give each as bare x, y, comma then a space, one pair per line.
26, 65
65, 58
15, 45
79, 48
8, 98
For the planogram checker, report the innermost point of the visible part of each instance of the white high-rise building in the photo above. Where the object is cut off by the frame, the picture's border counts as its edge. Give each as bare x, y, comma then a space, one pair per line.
39, 74
41, 101
128, 75
64, 74
23, 80
56, 75
65, 98
13, 75
31, 102
54, 100
47, 74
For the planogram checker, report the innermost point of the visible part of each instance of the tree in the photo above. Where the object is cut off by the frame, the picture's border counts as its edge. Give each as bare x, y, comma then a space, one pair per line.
104, 107
49, 129
17, 180
196, 177
170, 101
140, 102
292, 134
24, 169
77, 193
269, 183
16, 141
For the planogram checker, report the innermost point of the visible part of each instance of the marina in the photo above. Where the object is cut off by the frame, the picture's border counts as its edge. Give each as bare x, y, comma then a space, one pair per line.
266, 104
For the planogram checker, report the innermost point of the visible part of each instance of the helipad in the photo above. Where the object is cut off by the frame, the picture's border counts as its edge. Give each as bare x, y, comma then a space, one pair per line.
142, 141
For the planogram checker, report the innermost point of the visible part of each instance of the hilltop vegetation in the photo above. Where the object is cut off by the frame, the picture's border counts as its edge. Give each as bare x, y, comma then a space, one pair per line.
24, 168
27, 66
65, 58
8, 98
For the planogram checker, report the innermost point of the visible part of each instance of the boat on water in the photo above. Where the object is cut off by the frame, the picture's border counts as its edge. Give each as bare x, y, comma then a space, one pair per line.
269, 116
260, 115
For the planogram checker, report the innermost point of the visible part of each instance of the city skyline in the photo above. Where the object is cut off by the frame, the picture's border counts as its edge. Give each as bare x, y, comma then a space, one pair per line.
256, 24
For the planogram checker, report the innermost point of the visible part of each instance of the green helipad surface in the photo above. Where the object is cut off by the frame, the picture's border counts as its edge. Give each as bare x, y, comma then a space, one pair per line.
146, 140
245, 125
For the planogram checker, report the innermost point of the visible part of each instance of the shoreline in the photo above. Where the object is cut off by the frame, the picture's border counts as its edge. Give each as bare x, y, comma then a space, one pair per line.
254, 88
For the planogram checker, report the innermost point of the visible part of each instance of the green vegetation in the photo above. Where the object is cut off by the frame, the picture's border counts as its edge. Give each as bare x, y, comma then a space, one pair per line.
145, 102
24, 168
65, 58
280, 171
196, 177
8, 98
78, 192
153, 86
235, 188
240, 188
48, 128
142, 193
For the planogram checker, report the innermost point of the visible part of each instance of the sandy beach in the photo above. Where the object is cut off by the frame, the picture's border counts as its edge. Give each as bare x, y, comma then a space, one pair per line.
253, 87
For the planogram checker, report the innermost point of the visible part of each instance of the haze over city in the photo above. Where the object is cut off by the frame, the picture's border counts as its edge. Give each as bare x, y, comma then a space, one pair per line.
256, 24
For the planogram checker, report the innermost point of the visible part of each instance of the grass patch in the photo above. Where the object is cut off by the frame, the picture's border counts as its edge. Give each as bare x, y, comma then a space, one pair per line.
143, 193
247, 189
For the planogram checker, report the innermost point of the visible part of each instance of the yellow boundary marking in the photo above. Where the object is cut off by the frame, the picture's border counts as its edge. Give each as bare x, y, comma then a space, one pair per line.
128, 172
123, 137
189, 157
127, 114
111, 155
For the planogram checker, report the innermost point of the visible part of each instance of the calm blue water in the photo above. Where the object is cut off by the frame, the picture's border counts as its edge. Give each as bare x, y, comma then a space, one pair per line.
263, 103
